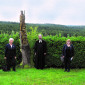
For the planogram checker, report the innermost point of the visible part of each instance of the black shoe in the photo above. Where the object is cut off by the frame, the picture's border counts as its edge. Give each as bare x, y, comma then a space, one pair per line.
8, 70
14, 70
68, 71
65, 70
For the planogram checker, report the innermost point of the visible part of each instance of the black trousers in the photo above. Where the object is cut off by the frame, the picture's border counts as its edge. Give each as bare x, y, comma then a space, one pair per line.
39, 61
67, 62
11, 62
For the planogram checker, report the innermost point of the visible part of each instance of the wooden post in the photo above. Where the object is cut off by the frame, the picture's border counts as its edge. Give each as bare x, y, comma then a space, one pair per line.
24, 41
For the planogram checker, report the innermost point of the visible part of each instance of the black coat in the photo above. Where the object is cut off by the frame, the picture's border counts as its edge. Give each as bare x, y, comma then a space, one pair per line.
10, 52
71, 50
40, 49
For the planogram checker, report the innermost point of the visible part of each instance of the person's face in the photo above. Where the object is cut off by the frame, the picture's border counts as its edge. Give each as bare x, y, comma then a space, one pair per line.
40, 37
11, 41
68, 42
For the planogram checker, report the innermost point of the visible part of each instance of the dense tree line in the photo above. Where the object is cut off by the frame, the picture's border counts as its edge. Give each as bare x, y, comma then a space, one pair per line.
45, 29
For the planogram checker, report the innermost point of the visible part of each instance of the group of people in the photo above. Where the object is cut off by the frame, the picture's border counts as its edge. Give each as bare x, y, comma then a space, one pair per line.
40, 51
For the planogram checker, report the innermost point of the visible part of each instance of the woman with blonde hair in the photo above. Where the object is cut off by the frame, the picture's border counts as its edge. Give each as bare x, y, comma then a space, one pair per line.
68, 53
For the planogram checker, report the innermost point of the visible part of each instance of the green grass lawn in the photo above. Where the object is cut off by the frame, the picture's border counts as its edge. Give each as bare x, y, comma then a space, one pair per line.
51, 76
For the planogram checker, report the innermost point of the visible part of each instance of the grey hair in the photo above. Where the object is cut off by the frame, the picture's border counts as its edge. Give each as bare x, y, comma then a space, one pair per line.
39, 35
11, 39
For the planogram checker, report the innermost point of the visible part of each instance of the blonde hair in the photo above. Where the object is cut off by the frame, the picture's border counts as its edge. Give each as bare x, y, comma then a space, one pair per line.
11, 39
68, 41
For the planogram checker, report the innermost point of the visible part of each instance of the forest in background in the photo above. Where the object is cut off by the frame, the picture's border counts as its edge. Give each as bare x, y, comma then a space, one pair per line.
45, 29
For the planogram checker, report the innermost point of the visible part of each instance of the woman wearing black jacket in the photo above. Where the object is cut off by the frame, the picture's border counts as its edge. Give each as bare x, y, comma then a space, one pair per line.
10, 55
68, 53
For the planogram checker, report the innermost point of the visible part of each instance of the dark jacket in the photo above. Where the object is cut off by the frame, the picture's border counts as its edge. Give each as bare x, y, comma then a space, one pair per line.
10, 52
37, 48
71, 50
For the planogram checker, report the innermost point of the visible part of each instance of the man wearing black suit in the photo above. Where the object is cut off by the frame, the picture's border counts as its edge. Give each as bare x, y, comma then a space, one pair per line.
10, 55
40, 52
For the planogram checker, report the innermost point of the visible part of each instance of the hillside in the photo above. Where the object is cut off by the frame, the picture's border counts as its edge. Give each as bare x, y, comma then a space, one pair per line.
46, 29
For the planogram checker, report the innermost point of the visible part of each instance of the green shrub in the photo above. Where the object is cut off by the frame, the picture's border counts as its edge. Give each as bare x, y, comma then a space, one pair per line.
54, 49
54, 52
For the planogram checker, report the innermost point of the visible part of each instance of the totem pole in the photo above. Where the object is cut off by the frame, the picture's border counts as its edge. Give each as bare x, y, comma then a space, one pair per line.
25, 49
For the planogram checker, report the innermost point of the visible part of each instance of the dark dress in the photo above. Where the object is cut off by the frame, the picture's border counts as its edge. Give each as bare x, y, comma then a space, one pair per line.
10, 53
40, 49
68, 52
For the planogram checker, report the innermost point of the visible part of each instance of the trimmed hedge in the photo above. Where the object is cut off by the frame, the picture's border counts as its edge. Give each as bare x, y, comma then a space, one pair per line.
54, 48
54, 52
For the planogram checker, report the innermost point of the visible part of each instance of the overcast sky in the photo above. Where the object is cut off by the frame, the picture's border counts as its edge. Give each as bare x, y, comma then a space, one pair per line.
66, 12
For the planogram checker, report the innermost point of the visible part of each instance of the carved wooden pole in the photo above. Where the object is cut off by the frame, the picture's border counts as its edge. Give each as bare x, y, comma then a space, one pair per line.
24, 41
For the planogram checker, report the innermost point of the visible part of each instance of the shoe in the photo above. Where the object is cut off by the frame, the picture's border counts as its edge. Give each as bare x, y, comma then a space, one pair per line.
8, 70
65, 70
68, 71
14, 70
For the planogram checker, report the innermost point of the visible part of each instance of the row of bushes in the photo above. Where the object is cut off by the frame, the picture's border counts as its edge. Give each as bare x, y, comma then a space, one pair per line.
54, 48
54, 53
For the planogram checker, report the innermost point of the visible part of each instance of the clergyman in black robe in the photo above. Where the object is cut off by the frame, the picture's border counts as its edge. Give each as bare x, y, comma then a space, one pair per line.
40, 53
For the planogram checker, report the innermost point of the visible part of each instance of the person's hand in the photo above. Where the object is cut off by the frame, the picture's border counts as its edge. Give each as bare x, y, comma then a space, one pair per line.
44, 53
72, 57
5, 58
35, 53
63, 56
15, 57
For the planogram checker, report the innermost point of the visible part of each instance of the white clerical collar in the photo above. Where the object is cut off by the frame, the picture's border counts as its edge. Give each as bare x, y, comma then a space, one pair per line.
40, 40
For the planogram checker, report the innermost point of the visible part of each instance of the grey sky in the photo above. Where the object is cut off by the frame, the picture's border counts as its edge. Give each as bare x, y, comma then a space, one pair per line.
66, 12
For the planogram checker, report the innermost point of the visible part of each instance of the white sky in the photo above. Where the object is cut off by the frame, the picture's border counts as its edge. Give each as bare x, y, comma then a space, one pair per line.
66, 12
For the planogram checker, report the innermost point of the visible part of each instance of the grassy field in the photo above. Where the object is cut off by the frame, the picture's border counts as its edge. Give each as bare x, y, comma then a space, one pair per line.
49, 76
